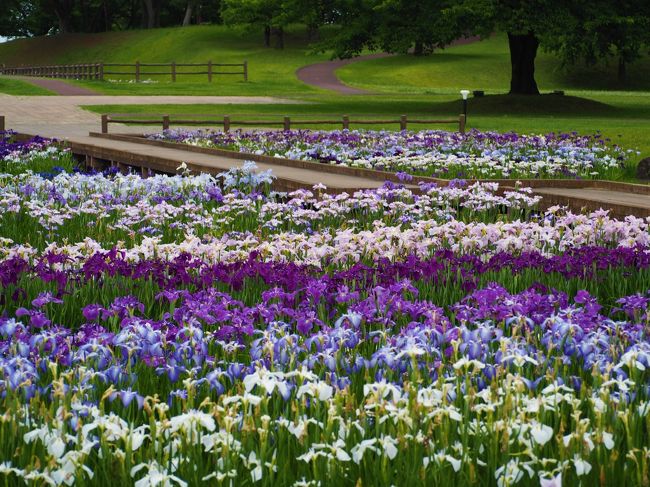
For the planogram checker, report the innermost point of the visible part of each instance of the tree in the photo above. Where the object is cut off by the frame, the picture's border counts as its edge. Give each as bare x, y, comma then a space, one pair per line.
528, 23
271, 15
524, 21
588, 30
397, 26
601, 30
312, 13
39, 17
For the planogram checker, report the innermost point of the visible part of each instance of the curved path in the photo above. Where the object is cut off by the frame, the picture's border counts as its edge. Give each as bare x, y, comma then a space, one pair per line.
323, 75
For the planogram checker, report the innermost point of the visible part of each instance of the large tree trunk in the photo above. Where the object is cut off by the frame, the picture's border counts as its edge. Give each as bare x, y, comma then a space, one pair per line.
188, 13
108, 23
279, 37
156, 13
149, 15
622, 70
523, 50
63, 12
418, 48
313, 33
85, 21
267, 36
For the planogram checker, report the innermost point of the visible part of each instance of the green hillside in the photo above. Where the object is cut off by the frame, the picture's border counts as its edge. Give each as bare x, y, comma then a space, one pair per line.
270, 70
483, 65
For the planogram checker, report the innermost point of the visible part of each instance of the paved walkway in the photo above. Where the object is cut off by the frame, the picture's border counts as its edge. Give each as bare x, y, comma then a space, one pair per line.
323, 75
62, 116
57, 86
289, 177
620, 203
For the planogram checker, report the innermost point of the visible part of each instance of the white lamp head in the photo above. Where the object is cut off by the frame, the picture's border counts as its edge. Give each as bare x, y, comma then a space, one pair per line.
464, 94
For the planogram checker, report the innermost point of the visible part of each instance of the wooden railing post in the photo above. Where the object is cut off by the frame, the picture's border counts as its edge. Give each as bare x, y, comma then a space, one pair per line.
245, 70
2, 123
101, 71
287, 123
346, 122
137, 71
402, 122
173, 71
210, 71
165, 122
226, 123
104, 124
461, 123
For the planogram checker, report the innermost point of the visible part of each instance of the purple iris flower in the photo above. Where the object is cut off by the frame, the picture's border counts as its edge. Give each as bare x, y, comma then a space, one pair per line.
45, 298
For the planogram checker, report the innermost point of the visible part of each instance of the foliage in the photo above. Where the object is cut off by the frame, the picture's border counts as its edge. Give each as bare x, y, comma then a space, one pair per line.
20, 18
392, 25
598, 30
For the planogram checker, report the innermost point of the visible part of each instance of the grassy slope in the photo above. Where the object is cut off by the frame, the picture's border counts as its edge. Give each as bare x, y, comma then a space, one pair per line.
271, 71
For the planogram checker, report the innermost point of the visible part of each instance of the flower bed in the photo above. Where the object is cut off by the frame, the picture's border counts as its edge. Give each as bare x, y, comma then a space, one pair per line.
196, 329
36, 154
449, 155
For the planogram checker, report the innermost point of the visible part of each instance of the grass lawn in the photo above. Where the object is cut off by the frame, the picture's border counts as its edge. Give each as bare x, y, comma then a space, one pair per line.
18, 87
485, 66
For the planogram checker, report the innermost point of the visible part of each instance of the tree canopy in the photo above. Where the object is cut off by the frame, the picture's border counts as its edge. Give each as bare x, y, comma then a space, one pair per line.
587, 31
584, 30
19, 18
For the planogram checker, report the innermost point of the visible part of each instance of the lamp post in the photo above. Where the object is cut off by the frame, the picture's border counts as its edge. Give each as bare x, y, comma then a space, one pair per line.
464, 94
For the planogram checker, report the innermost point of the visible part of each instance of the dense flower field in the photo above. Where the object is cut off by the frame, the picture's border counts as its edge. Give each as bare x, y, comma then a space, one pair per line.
194, 330
475, 155
36, 154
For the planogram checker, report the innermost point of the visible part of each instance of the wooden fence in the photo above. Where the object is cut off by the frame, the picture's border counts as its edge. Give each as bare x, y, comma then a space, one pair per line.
64, 71
226, 122
137, 70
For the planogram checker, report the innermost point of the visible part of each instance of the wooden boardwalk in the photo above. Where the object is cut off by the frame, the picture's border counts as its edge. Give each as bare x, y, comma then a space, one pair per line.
100, 151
